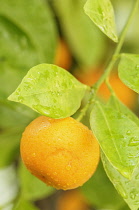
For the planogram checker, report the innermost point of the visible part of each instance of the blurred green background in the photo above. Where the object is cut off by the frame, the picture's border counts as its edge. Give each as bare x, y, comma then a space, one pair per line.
51, 31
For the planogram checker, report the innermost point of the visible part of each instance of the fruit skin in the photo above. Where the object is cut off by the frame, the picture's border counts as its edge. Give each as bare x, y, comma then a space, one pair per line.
63, 55
125, 94
71, 200
62, 153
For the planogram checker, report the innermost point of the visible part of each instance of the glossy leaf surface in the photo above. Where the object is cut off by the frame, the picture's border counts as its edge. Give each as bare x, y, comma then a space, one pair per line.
129, 71
129, 189
50, 90
102, 14
118, 136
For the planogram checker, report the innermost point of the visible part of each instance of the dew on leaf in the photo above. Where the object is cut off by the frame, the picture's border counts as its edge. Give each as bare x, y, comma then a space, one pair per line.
125, 174
20, 98
133, 195
128, 132
133, 142
133, 155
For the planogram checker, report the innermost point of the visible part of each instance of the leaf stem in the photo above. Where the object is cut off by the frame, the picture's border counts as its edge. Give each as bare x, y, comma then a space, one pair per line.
94, 88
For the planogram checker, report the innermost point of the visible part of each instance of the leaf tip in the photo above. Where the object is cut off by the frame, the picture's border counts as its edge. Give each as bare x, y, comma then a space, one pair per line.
116, 39
126, 173
9, 97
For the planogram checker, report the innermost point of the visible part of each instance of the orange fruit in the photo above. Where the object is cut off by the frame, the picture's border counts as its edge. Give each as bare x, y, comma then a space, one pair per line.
71, 200
63, 55
62, 153
125, 94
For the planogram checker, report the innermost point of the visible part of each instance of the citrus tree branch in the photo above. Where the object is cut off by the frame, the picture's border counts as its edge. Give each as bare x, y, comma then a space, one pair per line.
94, 88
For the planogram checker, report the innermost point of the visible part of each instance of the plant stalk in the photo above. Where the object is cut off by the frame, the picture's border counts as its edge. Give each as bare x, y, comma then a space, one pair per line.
94, 88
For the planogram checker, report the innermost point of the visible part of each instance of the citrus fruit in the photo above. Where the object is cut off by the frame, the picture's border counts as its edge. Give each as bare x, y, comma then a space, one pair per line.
63, 55
125, 94
71, 200
63, 153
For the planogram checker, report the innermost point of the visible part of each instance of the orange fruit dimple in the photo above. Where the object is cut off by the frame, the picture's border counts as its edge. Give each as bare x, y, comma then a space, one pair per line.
62, 153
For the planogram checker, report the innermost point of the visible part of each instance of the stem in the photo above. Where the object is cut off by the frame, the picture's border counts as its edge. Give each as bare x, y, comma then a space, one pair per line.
110, 66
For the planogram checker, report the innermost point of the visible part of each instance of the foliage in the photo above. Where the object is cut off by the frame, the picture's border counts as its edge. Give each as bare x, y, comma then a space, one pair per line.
28, 38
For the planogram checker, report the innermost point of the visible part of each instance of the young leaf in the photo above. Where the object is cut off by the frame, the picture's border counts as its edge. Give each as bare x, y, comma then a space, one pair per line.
118, 136
129, 189
50, 90
102, 14
115, 103
86, 41
31, 187
129, 71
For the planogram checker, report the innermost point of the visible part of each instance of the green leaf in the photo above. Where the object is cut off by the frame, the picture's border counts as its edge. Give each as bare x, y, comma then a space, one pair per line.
102, 14
125, 207
86, 42
115, 103
16, 47
129, 189
50, 90
23, 204
9, 147
31, 187
129, 71
100, 192
24, 40
118, 136
122, 10
8, 185
14, 118
24, 30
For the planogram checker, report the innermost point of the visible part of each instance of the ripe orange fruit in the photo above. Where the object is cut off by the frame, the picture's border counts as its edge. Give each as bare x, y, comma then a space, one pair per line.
62, 153
63, 55
125, 94
71, 200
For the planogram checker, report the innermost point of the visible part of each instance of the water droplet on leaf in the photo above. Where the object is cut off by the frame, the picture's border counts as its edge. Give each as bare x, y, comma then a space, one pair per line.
133, 142
128, 132
21, 99
133, 195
